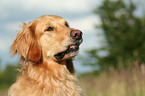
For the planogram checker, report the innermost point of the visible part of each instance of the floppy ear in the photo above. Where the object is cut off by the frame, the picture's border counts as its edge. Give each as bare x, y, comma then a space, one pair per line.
26, 44
34, 52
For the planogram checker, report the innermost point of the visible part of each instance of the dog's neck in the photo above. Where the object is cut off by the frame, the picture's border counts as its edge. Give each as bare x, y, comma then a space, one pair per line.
50, 68
54, 65
53, 75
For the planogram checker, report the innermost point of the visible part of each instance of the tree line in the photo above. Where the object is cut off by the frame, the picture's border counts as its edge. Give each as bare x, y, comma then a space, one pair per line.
124, 34
7, 76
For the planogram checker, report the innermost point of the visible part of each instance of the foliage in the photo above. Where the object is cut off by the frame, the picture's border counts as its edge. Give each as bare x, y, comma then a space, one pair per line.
124, 33
7, 76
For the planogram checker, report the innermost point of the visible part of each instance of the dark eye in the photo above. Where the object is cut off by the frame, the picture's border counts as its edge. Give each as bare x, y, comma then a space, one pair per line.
66, 24
49, 29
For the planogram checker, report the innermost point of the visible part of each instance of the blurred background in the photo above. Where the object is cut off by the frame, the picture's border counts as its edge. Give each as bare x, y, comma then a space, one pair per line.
111, 61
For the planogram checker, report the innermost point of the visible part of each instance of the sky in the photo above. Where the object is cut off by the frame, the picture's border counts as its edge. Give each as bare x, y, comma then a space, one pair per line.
78, 13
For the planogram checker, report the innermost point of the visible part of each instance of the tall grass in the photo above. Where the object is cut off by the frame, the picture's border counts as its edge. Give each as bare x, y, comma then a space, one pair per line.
125, 82
3, 93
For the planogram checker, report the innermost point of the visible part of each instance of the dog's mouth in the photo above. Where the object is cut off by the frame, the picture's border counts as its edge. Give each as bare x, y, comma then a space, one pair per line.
70, 49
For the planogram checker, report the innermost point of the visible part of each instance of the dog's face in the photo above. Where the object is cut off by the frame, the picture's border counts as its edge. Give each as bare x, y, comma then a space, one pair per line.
57, 40
51, 37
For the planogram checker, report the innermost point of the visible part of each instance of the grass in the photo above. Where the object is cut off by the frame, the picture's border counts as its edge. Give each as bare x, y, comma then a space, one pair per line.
3, 90
3, 93
126, 82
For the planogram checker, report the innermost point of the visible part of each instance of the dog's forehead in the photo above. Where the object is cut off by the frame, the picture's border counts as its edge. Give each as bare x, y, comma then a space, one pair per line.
52, 18
48, 19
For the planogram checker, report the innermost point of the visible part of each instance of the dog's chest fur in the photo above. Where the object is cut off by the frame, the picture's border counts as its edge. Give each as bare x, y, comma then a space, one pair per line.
53, 81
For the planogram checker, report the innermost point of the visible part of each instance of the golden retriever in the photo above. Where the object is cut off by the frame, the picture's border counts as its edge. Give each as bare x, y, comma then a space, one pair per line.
47, 46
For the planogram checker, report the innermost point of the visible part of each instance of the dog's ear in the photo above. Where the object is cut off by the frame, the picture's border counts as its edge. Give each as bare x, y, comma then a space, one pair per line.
26, 43
34, 53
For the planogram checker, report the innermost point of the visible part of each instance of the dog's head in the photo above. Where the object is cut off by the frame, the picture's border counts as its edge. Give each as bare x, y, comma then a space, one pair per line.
48, 36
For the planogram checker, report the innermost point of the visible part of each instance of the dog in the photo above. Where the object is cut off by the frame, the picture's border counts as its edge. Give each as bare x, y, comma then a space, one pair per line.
47, 46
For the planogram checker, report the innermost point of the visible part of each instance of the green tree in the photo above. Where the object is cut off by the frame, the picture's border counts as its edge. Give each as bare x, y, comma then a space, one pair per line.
8, 76
124, 35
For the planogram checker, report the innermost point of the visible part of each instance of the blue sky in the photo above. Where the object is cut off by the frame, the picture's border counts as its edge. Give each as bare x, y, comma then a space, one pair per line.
77, 12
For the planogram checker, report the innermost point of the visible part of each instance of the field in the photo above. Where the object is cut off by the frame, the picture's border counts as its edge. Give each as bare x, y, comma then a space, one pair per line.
125, 82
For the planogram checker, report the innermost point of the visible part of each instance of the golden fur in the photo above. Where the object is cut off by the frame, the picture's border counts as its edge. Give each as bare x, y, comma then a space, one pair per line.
42, 74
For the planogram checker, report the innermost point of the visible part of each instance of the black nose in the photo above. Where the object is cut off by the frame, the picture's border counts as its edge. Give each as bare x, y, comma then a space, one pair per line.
76, 34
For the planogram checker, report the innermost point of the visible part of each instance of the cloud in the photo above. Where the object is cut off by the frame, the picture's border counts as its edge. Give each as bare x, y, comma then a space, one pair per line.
46, 5
4, 44
27, 8
56, 5
14, 26
86, 24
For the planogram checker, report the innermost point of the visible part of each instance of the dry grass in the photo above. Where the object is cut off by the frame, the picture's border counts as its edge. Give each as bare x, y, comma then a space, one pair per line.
3, 93
130, 82
126, 82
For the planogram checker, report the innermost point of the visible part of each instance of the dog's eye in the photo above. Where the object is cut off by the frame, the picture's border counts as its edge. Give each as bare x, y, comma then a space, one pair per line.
66, 24
50, 29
